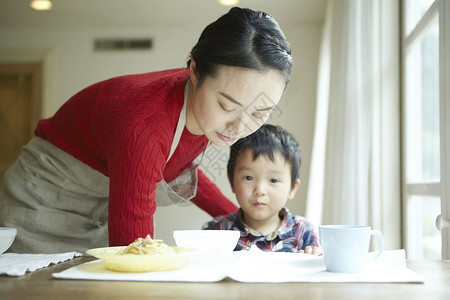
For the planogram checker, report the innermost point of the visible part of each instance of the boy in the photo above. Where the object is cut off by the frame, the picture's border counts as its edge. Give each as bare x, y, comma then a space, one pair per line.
263, 170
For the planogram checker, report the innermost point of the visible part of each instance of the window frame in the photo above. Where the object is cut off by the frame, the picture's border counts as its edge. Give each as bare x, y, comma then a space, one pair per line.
439, 9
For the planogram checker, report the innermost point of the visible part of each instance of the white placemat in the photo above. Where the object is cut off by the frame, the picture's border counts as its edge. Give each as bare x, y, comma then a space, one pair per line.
13, 264
390, 267
257, 267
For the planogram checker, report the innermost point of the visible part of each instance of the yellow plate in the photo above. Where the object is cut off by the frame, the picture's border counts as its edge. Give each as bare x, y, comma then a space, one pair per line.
141, 263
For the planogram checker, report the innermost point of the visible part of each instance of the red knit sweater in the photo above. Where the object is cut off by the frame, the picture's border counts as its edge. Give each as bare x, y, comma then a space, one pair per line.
124, 127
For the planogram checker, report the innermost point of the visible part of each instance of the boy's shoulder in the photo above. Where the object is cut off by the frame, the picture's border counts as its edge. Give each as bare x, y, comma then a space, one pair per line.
223, 222
290, 219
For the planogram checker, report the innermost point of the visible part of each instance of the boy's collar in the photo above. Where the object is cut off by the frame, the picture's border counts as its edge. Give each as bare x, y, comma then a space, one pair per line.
271, 236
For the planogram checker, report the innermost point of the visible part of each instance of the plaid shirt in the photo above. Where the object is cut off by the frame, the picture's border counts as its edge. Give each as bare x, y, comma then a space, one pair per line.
294, 234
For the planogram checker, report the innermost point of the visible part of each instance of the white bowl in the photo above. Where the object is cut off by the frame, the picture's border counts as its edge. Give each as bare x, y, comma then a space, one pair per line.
207, 240
7, 236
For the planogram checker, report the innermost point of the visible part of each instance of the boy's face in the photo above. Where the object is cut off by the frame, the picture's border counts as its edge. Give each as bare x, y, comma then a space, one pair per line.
262, 187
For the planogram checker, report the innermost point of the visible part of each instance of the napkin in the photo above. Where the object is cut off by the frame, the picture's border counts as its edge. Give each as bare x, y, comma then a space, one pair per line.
255, 266
13, 264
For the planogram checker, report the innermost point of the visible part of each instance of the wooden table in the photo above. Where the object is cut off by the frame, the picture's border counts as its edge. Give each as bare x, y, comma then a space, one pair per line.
41, 285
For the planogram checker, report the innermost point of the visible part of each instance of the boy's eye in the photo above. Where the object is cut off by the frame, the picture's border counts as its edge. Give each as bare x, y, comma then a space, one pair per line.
248, 177
273, 180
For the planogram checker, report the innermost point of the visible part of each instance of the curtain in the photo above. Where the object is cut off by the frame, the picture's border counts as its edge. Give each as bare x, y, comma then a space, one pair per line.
347, 166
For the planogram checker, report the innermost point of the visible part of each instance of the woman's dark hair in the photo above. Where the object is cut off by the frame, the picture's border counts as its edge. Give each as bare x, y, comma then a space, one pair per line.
268, 140
242, 38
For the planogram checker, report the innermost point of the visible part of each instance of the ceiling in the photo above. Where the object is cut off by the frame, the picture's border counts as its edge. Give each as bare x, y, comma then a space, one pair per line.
131, 13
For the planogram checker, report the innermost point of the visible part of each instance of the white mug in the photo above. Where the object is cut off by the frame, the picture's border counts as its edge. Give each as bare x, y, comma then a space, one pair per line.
345, 247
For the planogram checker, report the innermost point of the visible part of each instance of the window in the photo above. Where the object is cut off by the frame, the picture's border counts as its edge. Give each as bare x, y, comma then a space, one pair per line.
424, 126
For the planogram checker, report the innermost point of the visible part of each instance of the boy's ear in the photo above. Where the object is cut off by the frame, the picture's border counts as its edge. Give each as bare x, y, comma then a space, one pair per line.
193, 71
231, 184
294, 190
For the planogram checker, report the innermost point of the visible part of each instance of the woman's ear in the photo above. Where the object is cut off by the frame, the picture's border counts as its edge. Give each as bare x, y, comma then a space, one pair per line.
193, 71
294, 190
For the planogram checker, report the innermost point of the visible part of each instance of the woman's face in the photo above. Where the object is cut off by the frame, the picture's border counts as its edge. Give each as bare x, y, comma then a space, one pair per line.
233, 104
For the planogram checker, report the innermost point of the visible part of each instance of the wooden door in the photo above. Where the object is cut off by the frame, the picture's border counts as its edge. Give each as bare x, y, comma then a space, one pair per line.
20, 108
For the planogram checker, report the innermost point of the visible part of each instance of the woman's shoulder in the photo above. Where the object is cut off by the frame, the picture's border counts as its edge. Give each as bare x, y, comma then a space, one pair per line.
137, 88
132, 90
151, 99
144, 79
149, 110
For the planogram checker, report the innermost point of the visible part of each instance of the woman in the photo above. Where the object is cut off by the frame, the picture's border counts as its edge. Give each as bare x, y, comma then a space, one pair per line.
99, 167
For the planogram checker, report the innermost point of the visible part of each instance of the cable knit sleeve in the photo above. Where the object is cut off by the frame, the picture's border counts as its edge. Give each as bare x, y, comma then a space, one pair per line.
211, 199
135, 167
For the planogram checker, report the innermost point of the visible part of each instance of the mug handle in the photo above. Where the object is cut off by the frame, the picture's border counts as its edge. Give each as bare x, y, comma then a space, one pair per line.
381, 239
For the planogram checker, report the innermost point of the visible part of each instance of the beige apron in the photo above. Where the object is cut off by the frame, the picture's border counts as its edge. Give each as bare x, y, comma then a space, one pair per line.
183, 188
58, 203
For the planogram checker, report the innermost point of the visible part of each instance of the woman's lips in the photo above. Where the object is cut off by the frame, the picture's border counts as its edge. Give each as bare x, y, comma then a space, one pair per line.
226, 138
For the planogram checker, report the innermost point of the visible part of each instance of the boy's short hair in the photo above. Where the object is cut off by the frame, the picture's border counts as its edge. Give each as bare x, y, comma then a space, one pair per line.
268, 140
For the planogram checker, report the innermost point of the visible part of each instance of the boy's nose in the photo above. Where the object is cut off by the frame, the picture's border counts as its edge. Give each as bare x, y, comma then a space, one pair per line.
259, 190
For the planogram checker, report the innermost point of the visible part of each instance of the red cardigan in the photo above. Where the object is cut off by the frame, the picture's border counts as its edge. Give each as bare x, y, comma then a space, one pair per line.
124, 127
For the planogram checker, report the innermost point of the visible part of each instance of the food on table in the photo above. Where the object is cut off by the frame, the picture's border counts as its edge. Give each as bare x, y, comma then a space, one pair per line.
147, 246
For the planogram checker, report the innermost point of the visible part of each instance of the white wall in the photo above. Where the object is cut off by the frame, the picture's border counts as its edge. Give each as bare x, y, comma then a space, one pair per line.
71, 64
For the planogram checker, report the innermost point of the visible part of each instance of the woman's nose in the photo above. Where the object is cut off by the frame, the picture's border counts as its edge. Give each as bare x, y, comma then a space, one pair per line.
237, 127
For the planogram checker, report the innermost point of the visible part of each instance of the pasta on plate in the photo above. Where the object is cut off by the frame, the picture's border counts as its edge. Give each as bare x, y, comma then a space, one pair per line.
147, 246
143, 255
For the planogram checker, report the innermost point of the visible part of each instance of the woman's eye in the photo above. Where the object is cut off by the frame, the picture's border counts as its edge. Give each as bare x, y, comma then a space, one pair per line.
260, 116
248, 178
226, 109
273, 180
